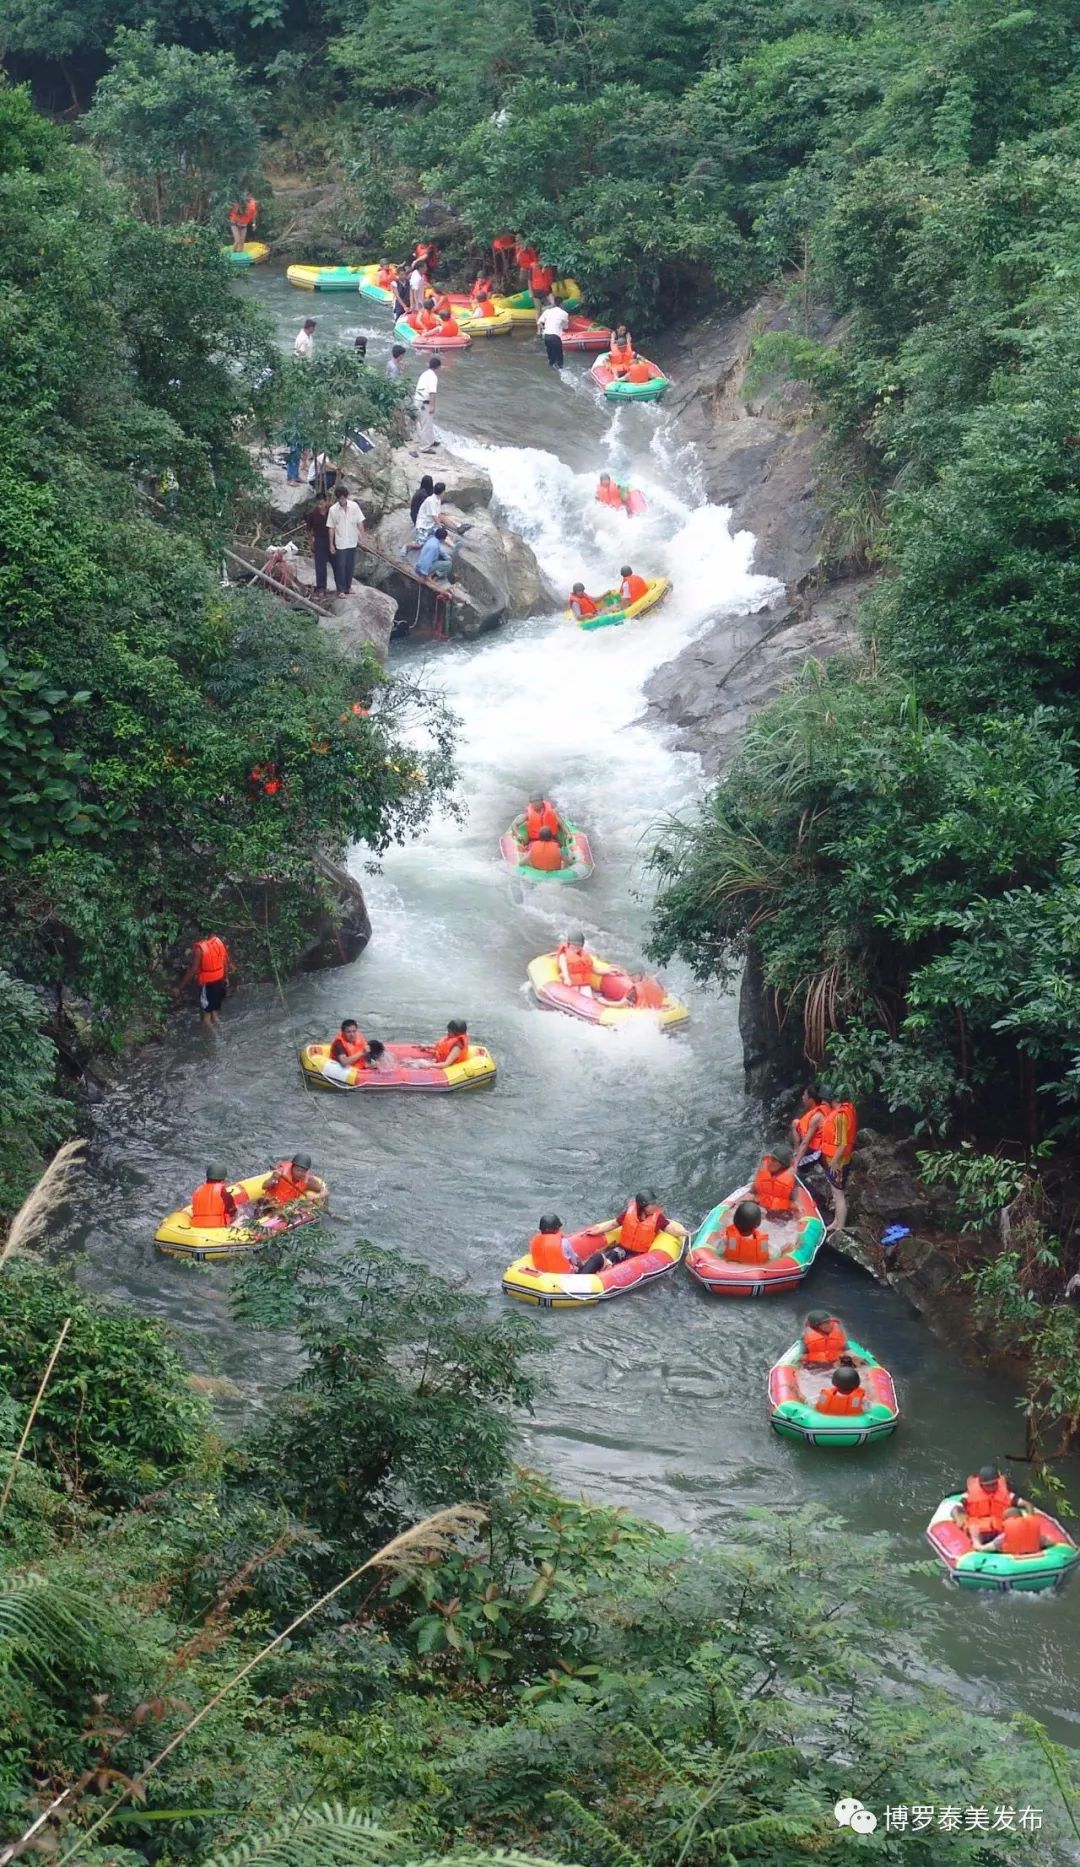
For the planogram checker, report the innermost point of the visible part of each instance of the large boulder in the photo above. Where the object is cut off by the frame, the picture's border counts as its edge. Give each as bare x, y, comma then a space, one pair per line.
285, 505
531, 592
495, 576
340, 929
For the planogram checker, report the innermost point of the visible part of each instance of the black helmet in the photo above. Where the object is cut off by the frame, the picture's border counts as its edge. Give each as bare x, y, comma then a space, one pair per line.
215, 1173
550, 1222
303, 1161
819, 1318
988, 1474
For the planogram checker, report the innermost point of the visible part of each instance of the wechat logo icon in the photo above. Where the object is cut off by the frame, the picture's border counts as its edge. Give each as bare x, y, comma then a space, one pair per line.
849, 1813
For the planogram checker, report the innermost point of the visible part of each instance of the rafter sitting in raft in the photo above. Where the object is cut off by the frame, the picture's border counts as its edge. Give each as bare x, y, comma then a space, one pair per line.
639, 1222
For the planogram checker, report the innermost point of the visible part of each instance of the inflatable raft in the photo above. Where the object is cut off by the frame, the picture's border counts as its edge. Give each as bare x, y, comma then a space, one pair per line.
366, 284
793, 1390
551, 992
584, 334
252, 253
550, 1290
631, 502
576, 845
326, 278
523, 307
176, 1237
430, 340
793, 1246
613, 611
617, 389
989, 1569
477, 1070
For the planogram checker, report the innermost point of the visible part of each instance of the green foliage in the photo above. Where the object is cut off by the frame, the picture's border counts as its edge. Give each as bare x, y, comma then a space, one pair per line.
329, 396
177, 126
31, 1115
117, 1417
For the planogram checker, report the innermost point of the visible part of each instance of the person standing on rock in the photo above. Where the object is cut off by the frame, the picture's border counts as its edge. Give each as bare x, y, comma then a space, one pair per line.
315, 524
551, 324
345, 530
425, 397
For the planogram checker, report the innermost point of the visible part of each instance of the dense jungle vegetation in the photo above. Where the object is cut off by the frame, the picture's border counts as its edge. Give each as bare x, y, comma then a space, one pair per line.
196, 1664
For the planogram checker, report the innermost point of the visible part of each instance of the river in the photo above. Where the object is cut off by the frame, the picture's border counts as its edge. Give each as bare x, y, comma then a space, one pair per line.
656, 1402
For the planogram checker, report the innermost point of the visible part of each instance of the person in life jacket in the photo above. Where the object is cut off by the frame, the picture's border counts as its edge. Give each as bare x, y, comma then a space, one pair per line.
638, 371
482, 287
621, 350
545, 853
213, 1207
385, 275
242, 221
370, 1058
824, 1339
844, 1394
576, 965
826, 1129
632, 588
292, 1179
639, 1223
426, 321
646, 993
540, 814
580, 604
744, 1241
453, 1048
981, 1511
549, 1250
503, 252
209, 967
610, 493
1021, 1534
774, 1184
448, 325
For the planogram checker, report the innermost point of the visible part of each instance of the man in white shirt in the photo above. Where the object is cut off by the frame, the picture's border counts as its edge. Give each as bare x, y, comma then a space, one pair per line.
425, 396
417, 282
551, 324
344, 530
304, 344
430, 514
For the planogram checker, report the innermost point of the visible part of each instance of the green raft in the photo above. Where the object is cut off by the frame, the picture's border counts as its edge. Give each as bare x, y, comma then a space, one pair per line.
578, 870
990, 1569
793, 1388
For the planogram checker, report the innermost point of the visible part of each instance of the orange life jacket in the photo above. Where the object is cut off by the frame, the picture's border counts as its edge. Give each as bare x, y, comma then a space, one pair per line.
1021, 1536
447, 1049
582, 605
831, 1400
986, 1505
243, 216
636, 1234
504, 243
638, 372
546, 818
211, 960
610, 495
802, 1122
386, 277
579, 965
632, 588
208, 1207
822, 1346
449, 327
483, 308
482, 286
350, 1052
426, 321
745, 1247
836, 1136
541, 279
526, 256
649, 993
620, 356
775, 1192
547, 1254
283, 1187
546, 856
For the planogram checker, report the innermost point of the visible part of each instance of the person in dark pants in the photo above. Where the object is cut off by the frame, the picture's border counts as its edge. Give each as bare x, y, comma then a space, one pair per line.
315, 526
345, 529
551, 324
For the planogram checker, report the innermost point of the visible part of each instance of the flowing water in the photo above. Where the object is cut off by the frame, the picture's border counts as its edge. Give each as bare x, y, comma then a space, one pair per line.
657, 1401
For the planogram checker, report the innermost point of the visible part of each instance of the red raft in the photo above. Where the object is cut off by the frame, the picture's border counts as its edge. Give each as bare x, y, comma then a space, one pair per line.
583, 334
793, 1246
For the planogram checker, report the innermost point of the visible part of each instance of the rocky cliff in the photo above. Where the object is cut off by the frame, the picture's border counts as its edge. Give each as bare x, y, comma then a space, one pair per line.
759, 451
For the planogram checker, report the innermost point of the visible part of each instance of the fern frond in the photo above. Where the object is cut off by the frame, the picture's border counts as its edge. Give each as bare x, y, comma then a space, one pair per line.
605, 1846
43, 1621
331, 1835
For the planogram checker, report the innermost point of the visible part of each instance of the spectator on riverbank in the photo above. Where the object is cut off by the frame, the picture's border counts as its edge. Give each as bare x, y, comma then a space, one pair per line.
345, 529
425, 398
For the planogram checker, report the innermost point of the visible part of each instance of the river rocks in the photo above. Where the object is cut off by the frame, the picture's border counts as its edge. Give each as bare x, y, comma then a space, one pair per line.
339, 928
709, 692
495, 576
285, 505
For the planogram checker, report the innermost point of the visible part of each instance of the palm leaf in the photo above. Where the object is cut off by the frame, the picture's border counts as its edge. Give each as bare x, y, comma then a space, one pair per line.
43, 1621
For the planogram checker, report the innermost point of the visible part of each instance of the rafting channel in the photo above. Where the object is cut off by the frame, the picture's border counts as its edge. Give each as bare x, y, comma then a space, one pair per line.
656, 1401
